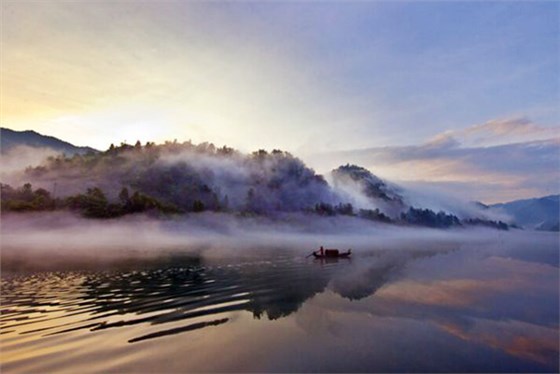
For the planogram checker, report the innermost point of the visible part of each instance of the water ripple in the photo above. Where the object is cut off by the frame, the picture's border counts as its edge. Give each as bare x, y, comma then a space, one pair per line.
54, 303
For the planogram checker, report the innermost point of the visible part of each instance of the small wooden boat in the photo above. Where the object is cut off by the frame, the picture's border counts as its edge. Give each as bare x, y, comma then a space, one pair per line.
332, 253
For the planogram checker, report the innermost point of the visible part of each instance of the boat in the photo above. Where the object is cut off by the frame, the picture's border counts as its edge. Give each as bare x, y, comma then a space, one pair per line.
332, 253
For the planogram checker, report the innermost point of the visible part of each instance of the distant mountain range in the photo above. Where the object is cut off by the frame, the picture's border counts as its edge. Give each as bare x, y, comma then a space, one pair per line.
190, 177
539, 213
10, 139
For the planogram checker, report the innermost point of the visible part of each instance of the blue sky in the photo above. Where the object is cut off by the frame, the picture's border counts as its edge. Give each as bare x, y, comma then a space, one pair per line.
307, 77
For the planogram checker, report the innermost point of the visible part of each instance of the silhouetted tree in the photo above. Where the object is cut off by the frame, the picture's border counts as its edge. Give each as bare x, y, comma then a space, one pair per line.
325, 209
250, 200
225, 203
124, 196
344, 209
198, 206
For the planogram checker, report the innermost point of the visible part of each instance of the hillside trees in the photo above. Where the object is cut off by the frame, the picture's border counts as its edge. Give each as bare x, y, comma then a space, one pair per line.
91, 204
25, 199
183, 177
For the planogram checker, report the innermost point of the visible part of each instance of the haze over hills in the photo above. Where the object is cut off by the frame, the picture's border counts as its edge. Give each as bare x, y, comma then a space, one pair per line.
184, 177
494, 162
9, 139
539, 213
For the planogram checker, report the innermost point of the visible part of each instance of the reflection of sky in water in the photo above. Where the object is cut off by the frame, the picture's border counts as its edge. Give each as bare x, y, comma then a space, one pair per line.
459, 308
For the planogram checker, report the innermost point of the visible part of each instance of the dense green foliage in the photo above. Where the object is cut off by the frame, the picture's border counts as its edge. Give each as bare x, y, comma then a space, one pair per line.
92, 204
25, 199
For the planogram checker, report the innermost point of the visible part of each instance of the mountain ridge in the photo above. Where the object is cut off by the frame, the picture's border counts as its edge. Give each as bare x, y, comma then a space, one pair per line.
190, 177
9, 139
540, 213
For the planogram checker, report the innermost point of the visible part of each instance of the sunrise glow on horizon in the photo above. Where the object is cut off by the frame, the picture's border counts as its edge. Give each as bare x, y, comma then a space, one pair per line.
310, 78
279, 186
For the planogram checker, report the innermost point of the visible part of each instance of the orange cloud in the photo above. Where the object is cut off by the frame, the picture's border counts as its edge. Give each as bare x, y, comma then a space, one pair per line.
520, 339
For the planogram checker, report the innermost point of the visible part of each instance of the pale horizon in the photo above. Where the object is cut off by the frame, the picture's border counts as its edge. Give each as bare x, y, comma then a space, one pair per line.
445, 80
354, 243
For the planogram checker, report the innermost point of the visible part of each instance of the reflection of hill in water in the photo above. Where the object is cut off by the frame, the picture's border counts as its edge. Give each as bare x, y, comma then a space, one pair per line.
266, 288
370, 274
187, 289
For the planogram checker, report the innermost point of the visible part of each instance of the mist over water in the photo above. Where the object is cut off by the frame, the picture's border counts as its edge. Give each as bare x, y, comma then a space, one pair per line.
27, 239
238, 292
421, 139
138, 294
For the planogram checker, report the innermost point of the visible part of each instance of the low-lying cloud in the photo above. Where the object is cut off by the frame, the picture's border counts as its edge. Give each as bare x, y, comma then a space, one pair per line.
494, 162
20, 157
52, 238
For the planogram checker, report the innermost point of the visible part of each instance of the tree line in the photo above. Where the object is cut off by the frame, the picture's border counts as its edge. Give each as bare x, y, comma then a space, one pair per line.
91, 204
179, 178
95, 204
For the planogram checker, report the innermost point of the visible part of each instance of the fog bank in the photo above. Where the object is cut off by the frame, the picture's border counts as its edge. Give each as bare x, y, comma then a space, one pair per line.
60, 238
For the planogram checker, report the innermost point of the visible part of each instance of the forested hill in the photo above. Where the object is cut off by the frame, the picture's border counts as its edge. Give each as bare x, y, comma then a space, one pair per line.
10, 139
178, 178
190, 177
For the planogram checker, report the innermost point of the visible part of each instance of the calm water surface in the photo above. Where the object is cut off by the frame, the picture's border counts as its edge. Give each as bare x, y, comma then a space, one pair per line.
452, 309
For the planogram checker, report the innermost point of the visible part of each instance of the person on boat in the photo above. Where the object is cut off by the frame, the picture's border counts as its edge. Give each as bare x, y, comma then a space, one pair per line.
322, 251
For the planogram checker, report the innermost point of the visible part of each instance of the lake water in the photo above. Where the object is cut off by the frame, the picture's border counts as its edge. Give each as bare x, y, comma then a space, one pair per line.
442, 308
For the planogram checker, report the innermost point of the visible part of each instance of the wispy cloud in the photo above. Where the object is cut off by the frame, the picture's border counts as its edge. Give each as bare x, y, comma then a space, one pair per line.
328, 76
494, 161
496, 132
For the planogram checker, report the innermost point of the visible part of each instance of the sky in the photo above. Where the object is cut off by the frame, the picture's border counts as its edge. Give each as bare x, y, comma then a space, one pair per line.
322, 80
